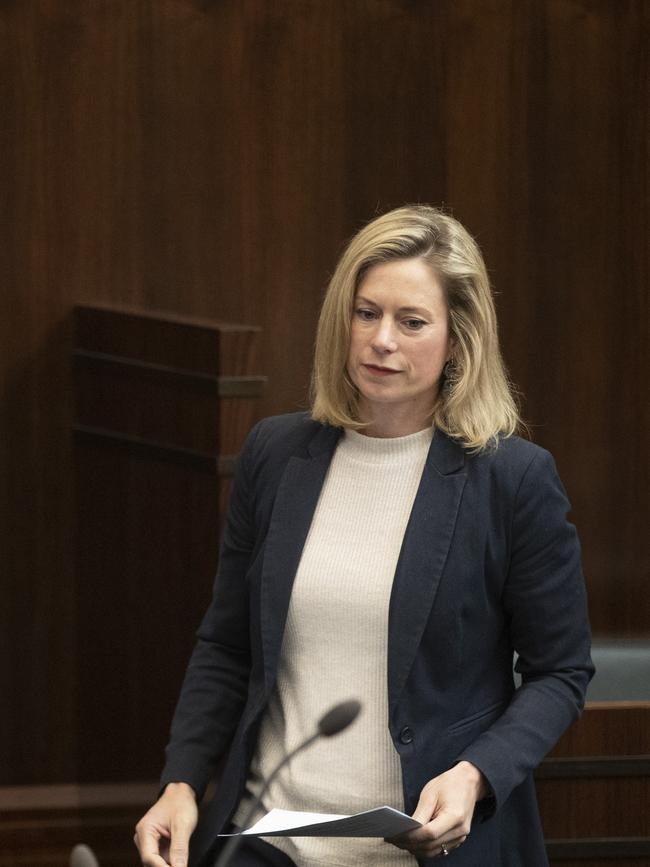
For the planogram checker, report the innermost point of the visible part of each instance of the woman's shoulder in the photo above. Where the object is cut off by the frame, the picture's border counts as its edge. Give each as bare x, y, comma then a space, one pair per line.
514, 457
518, 448
296, 425
288, 434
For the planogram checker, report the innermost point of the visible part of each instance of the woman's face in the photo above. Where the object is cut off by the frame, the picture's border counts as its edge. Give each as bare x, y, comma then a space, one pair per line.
399, 344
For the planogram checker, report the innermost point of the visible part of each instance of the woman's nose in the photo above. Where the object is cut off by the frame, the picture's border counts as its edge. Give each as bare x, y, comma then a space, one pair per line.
385, 338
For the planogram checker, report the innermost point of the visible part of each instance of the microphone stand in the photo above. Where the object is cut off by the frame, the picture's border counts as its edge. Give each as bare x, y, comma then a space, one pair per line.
334, 721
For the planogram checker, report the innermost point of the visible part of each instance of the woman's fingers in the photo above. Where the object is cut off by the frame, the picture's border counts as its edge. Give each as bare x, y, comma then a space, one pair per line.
162, 835
430, 847
148, 840
445, 808
179, 846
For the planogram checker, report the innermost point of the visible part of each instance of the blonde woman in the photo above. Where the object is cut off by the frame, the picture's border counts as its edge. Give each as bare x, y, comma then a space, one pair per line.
397, 544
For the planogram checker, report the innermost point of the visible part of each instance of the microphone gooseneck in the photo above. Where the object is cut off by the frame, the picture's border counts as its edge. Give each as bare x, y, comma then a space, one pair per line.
331, 723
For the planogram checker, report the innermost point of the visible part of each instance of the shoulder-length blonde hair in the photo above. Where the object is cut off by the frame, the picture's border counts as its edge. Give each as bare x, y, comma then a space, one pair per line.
476, 404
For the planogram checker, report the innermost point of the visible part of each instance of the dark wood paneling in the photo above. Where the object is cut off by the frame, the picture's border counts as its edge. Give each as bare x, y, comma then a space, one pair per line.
608, 729
147, 553
209, 159
593, 851
149, 466
594, 790
597, 807
39, 825
204, 347
600, 862
588, 767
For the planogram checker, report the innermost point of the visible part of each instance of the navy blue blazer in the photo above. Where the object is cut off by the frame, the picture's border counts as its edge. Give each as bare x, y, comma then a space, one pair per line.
489, 565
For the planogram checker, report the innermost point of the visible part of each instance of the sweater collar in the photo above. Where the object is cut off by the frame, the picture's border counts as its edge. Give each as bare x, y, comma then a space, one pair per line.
446, 455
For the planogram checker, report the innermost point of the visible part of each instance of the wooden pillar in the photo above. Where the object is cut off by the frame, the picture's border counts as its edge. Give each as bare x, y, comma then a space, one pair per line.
162, 407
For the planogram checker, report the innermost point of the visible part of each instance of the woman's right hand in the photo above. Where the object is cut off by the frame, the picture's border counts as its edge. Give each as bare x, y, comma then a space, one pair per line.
163, 834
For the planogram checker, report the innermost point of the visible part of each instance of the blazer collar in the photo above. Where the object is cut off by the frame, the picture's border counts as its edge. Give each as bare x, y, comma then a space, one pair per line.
324, 441
423, 554
445, 454
293, 510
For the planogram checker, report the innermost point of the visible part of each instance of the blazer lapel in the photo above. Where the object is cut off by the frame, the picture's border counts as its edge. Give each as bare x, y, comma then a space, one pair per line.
423, 555
294, 507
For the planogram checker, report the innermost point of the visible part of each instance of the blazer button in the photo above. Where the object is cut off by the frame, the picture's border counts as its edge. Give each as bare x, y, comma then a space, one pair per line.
406, 735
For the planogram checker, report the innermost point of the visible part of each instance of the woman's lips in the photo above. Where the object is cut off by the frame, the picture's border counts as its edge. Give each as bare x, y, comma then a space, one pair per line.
380, 371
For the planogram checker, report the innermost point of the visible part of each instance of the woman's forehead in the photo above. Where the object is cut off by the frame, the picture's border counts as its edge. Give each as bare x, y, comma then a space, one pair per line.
402, 283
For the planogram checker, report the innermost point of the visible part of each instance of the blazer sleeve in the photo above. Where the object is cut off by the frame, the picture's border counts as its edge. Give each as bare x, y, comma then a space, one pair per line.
215, 686
545, 603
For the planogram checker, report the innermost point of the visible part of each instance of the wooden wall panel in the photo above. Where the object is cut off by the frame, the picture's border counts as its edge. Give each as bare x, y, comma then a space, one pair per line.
39, 825
154, 448
594, 789
210, 158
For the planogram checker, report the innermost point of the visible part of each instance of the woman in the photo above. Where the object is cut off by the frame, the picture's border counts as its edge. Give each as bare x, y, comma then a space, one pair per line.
395, 545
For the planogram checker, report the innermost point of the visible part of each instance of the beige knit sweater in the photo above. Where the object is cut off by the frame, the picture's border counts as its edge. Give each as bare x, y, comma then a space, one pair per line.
335, 648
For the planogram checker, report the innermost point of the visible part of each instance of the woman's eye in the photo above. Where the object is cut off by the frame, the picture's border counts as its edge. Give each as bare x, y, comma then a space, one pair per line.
365, 314
414, 324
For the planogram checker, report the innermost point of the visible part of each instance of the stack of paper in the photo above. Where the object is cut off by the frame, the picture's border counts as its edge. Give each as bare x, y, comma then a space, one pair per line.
379, 822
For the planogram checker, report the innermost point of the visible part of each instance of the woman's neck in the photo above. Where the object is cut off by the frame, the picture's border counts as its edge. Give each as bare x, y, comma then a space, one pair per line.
394, 421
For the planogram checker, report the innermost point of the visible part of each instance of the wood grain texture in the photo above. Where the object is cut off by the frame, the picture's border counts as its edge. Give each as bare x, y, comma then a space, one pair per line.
148, 405
208, 160
600, 862
603, 851
582, 806
612, 807
608, 729
39, 825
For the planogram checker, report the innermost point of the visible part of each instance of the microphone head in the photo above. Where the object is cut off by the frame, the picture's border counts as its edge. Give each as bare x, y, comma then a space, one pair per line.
339, 717
82, 856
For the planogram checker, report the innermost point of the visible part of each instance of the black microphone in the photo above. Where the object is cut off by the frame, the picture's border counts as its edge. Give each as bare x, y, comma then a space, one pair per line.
339, 717
334, 721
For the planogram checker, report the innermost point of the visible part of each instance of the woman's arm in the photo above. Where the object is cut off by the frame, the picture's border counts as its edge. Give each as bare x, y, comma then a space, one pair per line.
214, 688
545, 602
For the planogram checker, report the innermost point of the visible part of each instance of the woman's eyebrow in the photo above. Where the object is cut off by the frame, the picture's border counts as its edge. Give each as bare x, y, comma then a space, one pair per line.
361, 299
421, 310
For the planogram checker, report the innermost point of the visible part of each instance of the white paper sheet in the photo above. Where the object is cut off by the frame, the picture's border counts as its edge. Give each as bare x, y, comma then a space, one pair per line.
379, 822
